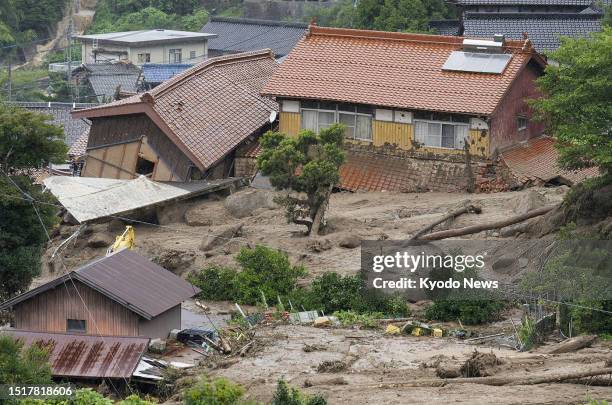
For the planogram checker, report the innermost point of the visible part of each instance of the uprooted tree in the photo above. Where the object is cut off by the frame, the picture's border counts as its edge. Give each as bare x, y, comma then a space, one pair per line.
307, 166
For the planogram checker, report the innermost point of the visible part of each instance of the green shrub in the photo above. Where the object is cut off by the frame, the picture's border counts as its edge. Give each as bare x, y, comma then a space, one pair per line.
214, 392
470, 312
134, 400
19, 365
366, 320
286, 395
216, 282
265, 270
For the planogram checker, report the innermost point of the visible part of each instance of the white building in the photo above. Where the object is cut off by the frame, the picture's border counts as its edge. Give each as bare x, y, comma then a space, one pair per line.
147, 46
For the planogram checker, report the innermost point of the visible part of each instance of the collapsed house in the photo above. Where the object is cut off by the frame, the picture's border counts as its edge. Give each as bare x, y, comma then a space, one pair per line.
123, 294
186, 129
412, 104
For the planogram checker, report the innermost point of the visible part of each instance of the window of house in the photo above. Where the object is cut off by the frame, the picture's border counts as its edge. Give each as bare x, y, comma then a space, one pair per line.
175, 55
144, 167
192, 54
441, 134
76, 326
521, 123
357, 119
144, 57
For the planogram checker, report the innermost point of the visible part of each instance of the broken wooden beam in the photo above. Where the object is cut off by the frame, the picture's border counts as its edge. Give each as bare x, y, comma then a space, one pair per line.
468, 230
470, 208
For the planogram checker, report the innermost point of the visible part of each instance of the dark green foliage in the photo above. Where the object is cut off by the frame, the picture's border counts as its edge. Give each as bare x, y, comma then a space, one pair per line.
309, 164
333, 292
262, 270
265, 270
19, 365
26, 141
216, 282
129, 15
577, 101
286, 395
470, 312
384, 15
215, 392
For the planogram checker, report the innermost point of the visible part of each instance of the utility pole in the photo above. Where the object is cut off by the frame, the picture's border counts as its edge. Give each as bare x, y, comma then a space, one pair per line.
69, 35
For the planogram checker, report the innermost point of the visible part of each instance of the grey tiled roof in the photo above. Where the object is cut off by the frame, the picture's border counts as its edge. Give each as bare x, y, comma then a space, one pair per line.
105, 77
242, 35
60, 113
445, 27
543, 30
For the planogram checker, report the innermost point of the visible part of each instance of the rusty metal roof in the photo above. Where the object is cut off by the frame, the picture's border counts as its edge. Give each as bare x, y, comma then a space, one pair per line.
128, 279
535, 161
86, 356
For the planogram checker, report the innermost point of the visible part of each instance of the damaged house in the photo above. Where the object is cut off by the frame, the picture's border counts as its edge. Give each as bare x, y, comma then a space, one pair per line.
187, 128
123, 294
412, 103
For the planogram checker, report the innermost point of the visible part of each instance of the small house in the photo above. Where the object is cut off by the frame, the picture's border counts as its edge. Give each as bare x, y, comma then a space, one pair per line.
187, 128
123, 294
146, 46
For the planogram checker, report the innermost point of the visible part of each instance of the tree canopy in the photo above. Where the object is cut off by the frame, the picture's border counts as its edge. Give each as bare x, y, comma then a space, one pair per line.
19, 365
577, 101
26, 141
307, 164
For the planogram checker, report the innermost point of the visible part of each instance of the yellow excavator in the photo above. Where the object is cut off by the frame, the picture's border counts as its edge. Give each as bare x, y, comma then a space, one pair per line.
124, 241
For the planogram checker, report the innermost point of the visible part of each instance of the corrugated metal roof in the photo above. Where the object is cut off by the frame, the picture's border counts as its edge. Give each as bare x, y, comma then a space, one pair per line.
160, 72
242, 35
543, 29
138, 282
86, 356
128, 279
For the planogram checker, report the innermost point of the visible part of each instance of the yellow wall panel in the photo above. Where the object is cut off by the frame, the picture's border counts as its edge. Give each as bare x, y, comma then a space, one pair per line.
289, 123
392, 133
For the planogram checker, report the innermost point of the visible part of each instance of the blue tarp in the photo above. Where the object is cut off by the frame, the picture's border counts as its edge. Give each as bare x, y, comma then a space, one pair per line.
155, 73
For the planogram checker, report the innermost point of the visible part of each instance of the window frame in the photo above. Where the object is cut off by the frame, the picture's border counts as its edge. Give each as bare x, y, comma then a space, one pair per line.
144, 57
441, 123
520, 118
192, 55
337, 111
172, 52
73, 330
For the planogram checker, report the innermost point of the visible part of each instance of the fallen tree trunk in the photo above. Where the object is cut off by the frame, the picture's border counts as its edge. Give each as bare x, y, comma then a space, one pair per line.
499, 381
572, 345
468, 230
453, 214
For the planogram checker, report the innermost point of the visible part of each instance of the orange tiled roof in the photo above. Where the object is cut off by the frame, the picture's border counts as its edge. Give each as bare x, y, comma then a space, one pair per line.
206, 110
390, 69
536, 161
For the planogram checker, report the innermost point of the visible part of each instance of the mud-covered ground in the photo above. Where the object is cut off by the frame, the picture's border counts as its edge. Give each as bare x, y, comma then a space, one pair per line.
376, 216
384, 369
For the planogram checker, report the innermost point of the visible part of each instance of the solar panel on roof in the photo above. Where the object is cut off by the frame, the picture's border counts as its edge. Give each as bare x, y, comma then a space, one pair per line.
477, 62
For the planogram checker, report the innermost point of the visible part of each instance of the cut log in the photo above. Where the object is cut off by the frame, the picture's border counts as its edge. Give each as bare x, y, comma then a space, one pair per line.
468, 230
572, 345
499, 381
451, 215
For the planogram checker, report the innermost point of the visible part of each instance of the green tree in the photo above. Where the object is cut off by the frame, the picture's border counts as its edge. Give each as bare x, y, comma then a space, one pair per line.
308, 164
19, 365
26, 141
577, 101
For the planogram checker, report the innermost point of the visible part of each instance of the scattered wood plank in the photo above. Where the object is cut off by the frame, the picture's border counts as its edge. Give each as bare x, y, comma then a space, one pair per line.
468, 230
451, 215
